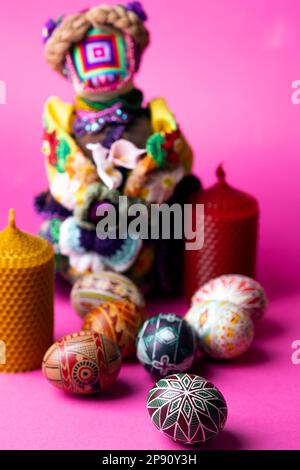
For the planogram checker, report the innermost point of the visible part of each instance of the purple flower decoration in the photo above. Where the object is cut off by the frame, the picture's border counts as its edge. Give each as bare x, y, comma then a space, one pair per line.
138, 9
49, 27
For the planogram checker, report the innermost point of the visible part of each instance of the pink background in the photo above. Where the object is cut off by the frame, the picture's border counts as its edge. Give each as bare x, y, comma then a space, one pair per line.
226, 68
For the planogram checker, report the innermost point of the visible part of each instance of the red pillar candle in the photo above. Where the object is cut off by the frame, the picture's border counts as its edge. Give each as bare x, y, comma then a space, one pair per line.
230, 235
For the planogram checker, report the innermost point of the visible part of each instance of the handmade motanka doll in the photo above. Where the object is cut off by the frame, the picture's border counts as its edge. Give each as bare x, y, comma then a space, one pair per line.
106, 144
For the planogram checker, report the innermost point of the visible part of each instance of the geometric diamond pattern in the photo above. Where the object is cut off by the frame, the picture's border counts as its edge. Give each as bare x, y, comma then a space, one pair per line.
100, 53
167, 335
166, 345
187, 408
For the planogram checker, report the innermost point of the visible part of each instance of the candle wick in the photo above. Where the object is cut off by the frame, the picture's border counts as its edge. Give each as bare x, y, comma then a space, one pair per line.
11, 218
221, 175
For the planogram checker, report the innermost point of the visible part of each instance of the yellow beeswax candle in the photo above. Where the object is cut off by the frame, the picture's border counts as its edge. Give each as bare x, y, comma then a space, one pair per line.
26, 298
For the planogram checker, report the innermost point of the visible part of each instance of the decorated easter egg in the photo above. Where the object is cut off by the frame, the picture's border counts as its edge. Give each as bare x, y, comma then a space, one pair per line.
119, 320
166, 344
92, 290
237, 289
224, 330
187, 408
82, 363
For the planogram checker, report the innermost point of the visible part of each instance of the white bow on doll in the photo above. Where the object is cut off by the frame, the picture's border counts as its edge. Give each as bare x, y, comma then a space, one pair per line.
122, 153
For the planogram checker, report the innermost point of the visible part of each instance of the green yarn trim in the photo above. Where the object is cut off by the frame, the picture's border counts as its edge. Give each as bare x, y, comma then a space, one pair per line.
46, 125
62, 152
132, 101
55, 229
154, 147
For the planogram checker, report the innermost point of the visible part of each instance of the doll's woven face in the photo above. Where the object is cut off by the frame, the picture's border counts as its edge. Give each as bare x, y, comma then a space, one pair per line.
102, 61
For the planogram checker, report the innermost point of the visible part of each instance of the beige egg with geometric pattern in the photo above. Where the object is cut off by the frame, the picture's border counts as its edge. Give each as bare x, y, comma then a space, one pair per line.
92, 290
82, 363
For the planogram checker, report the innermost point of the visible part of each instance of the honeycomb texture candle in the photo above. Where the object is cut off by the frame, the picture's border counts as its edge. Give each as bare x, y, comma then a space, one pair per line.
26, 298
230, 235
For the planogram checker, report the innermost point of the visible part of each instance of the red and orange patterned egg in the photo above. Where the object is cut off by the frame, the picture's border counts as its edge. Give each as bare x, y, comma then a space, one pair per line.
82, 363
120, 321
94, 289
237, 289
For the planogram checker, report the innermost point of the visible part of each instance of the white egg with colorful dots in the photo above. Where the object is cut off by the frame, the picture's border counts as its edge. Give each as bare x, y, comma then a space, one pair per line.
223, 329
237, 289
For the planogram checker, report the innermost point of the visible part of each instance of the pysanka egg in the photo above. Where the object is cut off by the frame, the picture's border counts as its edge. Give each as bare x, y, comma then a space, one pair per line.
82, 363
166, 344
93, 289
224, 330
119, 320
187, 408
237, 289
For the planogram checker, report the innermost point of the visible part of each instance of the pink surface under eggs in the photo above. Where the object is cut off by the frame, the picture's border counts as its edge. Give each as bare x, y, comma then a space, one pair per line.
223, 329
237, 289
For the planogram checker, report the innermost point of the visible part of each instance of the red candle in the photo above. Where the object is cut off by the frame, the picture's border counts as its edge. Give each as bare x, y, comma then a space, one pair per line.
230, 235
